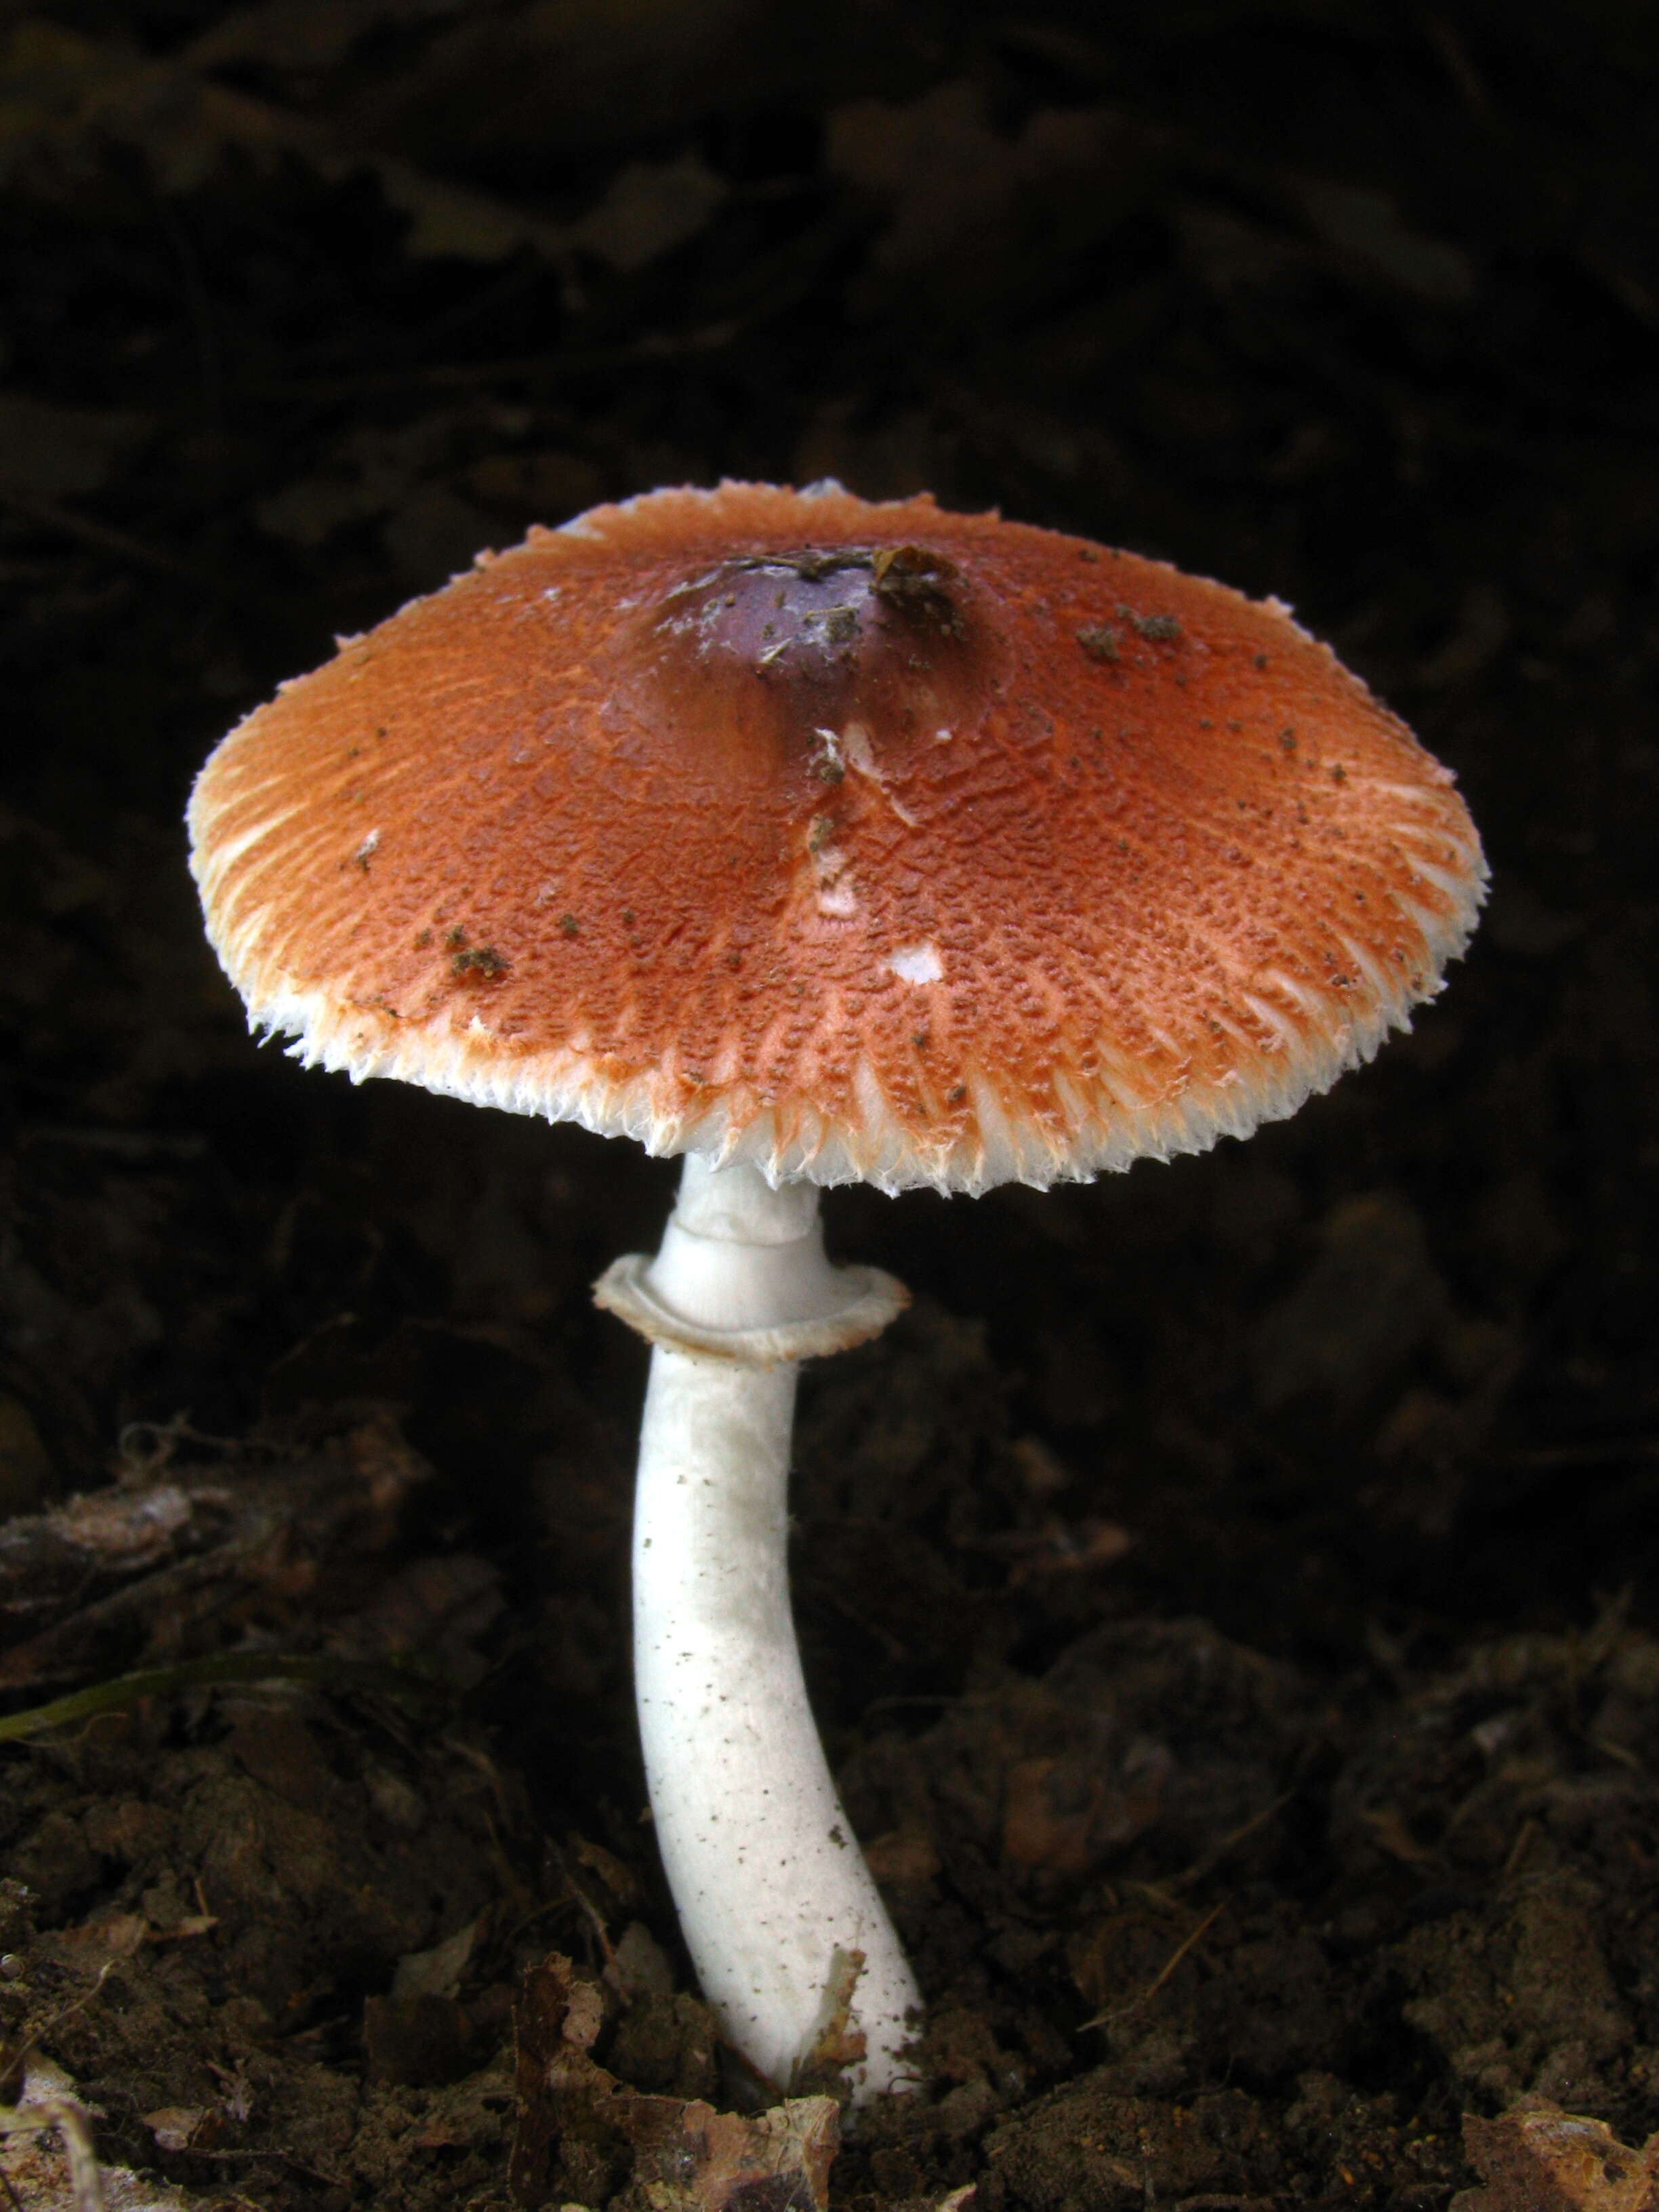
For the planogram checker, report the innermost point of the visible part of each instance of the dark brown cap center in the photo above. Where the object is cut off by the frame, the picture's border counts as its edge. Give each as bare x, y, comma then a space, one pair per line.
779, 652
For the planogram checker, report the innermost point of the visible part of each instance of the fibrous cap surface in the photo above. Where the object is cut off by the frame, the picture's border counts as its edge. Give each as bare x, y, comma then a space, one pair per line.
857, 841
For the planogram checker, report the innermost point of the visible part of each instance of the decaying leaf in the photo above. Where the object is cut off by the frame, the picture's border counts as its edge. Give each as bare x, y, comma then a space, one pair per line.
648, 208
580, 2129
420, 2034
693, 2159
421, 2042
47, 2104
48, 2161
57, 89
181, 121
1536, 2158
62, 453
961, 192
127, 1573
837, 2044
437, 1972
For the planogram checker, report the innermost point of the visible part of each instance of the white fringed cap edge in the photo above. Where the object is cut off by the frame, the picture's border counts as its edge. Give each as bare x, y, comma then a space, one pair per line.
1106, 1125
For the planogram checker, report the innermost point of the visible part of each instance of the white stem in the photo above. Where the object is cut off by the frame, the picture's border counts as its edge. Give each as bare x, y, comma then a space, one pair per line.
768, 1877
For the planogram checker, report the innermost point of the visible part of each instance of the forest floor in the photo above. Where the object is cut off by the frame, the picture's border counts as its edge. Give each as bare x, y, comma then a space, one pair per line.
1229, 1592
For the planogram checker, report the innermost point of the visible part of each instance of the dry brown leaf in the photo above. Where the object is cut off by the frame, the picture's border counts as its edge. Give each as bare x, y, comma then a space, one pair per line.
181, 2127
182, 122
964, 195
1536, 2158
48, 2161
693, 2159
903, 1858
58, 89
55, 452
578, 2125
100, 1943
1388, 1825
307, 36
618, 1879
837, 2044
1062, 1814
438, 1972
647, 208
130, 1574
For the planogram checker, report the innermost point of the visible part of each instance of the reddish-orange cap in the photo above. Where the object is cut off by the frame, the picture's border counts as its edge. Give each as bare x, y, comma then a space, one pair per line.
857, 841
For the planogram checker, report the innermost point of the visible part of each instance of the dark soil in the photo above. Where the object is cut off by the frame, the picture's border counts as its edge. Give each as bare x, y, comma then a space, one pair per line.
1230, 1594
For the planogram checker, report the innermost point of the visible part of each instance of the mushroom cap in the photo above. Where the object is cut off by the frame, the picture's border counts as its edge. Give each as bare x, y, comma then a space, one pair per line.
857, 841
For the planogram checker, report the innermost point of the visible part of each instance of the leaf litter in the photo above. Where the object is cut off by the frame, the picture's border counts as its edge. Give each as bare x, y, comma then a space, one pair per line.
1225, 1646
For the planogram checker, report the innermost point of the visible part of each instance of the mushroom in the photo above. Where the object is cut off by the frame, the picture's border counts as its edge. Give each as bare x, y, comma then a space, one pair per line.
817, 840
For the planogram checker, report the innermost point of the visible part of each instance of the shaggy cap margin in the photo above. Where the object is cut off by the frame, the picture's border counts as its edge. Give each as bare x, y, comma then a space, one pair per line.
1293, 1037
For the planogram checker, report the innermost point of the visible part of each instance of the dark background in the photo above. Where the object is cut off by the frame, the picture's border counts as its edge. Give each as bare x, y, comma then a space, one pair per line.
1353, 303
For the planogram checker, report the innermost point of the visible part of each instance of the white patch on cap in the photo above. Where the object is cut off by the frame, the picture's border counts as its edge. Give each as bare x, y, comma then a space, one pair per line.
835, 895
860, 757
917, 964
